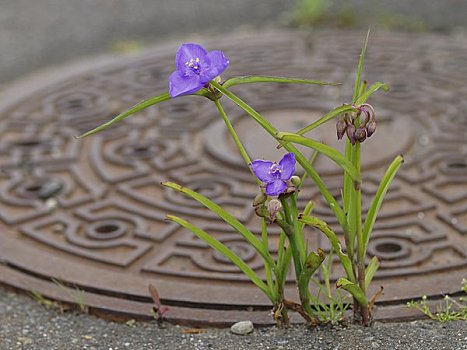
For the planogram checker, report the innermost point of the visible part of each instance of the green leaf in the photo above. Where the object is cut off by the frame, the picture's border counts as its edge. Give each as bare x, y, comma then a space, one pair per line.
228, 218
371, 90
221, 248
250, 79
353, 289
371, 269
312, 263
136, 108
379, 197
328, 116
328, 151
306, 212
358, 75
333, 240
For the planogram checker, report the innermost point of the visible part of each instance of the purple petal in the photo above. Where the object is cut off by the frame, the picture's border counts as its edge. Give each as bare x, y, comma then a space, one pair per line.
276, 187
183, 85
261, 168
189, 51
287, 164
218, 64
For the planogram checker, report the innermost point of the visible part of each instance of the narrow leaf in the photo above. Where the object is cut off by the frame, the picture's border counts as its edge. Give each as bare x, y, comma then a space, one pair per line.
353, 289
379, 197
136, 108
250, 79
221, 248
328, 151
333, 240
371, 269
306, 212
328, 116
228, 218
371, 90
312, 263
358, 75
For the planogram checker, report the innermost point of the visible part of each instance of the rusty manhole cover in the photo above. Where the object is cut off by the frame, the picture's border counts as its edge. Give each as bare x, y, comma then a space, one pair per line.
90, 213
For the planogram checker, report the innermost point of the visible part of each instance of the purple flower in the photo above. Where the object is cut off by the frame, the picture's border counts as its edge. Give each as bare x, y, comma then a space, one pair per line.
273, 174
195, 68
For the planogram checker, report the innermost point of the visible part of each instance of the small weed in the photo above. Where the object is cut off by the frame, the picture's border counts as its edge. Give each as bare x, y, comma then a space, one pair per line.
447, 310
47, 303
332, 310
158, 311
76, 294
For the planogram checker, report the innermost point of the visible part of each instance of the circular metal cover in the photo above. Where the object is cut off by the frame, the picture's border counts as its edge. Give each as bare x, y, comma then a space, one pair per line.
90, 213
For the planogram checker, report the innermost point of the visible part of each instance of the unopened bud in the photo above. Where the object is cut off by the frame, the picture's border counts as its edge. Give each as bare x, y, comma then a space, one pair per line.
350, 130
260, 199
274, 206
340, 128
370, 128
360, 134
296, 181
288, 191
261, 211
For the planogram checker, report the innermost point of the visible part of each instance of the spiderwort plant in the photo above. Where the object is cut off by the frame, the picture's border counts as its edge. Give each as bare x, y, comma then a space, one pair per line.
197, 73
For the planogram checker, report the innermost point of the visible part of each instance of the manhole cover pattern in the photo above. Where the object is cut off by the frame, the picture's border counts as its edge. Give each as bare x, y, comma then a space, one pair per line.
91, 212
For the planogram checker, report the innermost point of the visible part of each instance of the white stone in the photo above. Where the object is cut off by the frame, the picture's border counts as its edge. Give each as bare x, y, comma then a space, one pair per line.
242, 328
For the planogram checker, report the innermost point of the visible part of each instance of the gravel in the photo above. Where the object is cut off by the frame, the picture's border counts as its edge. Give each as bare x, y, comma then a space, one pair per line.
26, 324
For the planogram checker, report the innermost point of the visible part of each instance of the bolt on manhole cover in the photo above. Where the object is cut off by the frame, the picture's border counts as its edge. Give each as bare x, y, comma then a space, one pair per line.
90, 213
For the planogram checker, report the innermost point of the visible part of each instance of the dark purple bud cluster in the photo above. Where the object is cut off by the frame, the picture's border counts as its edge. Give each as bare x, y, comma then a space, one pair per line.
366, 127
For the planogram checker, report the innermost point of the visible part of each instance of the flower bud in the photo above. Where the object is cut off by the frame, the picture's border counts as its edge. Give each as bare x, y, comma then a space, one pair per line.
260, 199
296, 181
288, 191
360, 134
350, 130
274, 206
340, 128
371, 128
261, 211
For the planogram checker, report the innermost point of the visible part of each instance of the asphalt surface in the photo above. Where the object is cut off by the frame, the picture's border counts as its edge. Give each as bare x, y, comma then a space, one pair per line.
27, 324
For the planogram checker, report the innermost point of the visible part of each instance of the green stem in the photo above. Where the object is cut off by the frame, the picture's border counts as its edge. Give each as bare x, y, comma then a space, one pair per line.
358, 229
232, 132
347, 200
297, 228
292, 237
267, 267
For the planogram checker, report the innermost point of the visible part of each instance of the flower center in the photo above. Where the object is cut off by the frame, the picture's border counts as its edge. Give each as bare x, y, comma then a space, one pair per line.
194, 65
275, 170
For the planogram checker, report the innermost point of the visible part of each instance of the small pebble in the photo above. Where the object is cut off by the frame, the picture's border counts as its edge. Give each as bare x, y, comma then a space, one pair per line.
242, 328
